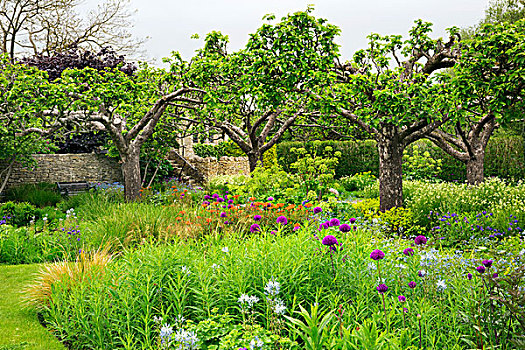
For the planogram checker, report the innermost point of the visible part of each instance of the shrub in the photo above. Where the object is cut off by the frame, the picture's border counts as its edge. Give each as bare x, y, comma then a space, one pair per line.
20, 214
41, 194
357, 182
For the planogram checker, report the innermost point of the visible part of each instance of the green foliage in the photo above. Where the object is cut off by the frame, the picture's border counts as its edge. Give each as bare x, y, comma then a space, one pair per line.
20, 213
420, 165
270, 158
504, 158
317, 169
222, 149
357, 182
41, 195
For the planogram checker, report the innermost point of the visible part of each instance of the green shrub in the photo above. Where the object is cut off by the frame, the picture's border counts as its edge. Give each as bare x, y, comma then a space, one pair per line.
420, 165
222, 149
20, 214
357, 182
504, 157
41, 194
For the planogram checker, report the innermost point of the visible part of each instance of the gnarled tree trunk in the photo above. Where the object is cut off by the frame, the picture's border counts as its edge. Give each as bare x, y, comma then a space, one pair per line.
475, 168
390, 171
131, 174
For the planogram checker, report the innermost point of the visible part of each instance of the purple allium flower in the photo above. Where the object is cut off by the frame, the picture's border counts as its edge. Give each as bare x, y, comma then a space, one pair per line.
220, 199
408, 251
487, 263
469, 276
223, 215
382, 288
345, 228
243, 349
282, 220
206, 203
405, 310
273, 232
270, 199
352, 220
329, 240
230, 201
412, 284
420, 240
257, 218
206, 197
377, 255
480, 269
255, 228
401, 298
422, 273
334, 222
215, 195
296, 228
317, 210
495, 275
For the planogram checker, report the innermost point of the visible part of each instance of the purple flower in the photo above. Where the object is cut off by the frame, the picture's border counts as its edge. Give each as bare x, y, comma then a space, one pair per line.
270, 199
422, 273
402, 298
282, 220
493, 276
480, 269
405, 310
408, 252
420, 240
412, 284
230, 201
215, 195
352, 220
322, 226
329, 240
273, 232
377, 255
223, 215
487, 263
206, 203
206, 197
317, 210
255, 228
345, 228
220, 199
334, 222
382, 288
469, 276
257, 218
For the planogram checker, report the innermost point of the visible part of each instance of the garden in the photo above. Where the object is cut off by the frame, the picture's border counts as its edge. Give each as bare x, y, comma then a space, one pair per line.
384, 206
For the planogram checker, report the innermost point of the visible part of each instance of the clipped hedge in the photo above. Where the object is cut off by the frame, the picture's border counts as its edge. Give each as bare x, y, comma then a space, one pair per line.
504, 157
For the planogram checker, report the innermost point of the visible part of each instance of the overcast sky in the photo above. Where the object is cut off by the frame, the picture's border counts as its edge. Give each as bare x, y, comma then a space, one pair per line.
170, 23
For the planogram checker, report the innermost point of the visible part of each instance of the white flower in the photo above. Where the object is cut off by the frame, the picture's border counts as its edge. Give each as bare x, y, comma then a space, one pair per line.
247, 301
441, 285
372, 266
157, 319
165, 333
279, 308
256, 342
215, 266
185, 270
272, 287
225, 249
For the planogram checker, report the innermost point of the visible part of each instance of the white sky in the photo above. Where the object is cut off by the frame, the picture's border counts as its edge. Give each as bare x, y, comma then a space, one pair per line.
170, 23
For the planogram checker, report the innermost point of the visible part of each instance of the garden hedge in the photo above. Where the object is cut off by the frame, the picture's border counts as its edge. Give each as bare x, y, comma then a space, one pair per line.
505, 157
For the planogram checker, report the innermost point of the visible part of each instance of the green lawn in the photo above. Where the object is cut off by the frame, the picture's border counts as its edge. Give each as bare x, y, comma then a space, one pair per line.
19, 326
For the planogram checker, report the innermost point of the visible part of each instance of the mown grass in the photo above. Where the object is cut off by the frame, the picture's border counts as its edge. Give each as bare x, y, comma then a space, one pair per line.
19, 325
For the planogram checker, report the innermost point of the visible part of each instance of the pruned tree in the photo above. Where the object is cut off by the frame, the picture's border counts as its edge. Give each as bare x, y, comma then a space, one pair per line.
391, 91
46, 27
489, 82
256, 94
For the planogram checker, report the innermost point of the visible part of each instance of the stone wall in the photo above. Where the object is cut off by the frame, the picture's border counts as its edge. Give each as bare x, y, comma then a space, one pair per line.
53, 168
211, 167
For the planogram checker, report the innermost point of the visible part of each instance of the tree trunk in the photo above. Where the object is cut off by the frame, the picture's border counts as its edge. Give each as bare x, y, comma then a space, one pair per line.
390, 173
131, 174
475, 168
254, 159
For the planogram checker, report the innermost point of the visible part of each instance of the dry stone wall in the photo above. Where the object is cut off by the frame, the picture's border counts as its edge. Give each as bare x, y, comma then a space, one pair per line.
53, 168
211, 167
